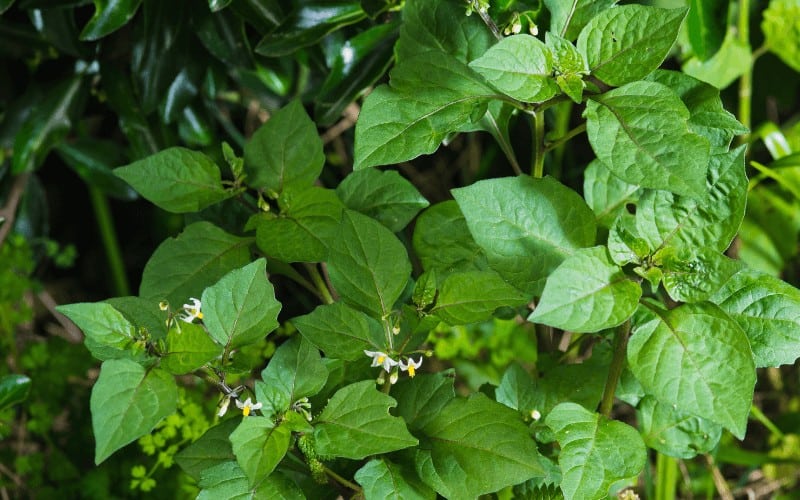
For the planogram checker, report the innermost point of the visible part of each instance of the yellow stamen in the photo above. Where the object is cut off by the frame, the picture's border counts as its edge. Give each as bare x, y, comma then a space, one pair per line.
200, 315
381, 359
411, 371
246, 410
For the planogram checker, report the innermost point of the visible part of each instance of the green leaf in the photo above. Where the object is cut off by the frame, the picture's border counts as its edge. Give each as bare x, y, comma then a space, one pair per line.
607, 194
595, 452
108, 334
285, 151
632, 130
296, 370
127, 402
526, 226
14, 389
212, 448
432, 95
109, 16
382, 479
782, 32
519, 66
441, 27
570, 66
474, 296
674, 433
587, 293
707, 115
626, 43
183, 267
368, 266
308, 222
580, 383
93, 160
47, 125
705, 26
176, 179
143, 313
692, 275
517, 390
730, 62
228, 480
420, 399
568, 18
476, 446
259, 445
696, 358
188, 347
768, 310
768, 234
664, 219
341, 331
241, 307
356, 423
383, 195
443, 243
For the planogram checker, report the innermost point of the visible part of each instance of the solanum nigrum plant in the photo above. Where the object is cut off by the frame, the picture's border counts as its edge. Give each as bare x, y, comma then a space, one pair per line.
630, 273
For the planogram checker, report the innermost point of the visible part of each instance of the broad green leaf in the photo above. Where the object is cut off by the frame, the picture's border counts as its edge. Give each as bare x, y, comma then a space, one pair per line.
674, 433
705, 26
568, 18
420, 399
259, 445
697, 359
587, 293
285, 151
109, 16
569, 64
241, 307
607, 194
431, 95
580, 383
188, 347
424, 290
143, 313
476, 446
664, 219
632, 130
730, 62
443, 243
228, 480
707, 115
768, 310
519, 66
474, 296
441, 27
127, 402
296, 370
308, 222
14, 389
184, 266
341, 331
384, 196
595, 452
108, 335
176, 179
48, 123
382, 479
368, 266
517, 390
213, 448
626, 43
526, 226
356, 423
782, 32
768, 234
692, 275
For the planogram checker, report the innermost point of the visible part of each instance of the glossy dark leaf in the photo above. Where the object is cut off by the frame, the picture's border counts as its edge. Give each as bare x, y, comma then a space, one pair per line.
706, 25
223, 35
59, 28
93, 159
109, 16
14, 389
5, 5
19, 41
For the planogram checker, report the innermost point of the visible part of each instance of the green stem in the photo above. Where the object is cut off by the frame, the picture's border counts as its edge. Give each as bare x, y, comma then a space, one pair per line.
319, 283
339, 479
615, 370
666, 477
566, 137
537, 161
105, 223
757, 414
746, 80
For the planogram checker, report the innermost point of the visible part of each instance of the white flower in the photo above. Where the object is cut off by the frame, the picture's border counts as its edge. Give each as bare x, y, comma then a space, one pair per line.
411, 367
536, 415
247, 406
393, 377
223, 406
192, 311
381, 359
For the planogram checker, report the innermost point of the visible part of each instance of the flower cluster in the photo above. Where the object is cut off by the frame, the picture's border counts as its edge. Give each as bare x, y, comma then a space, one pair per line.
393, 367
